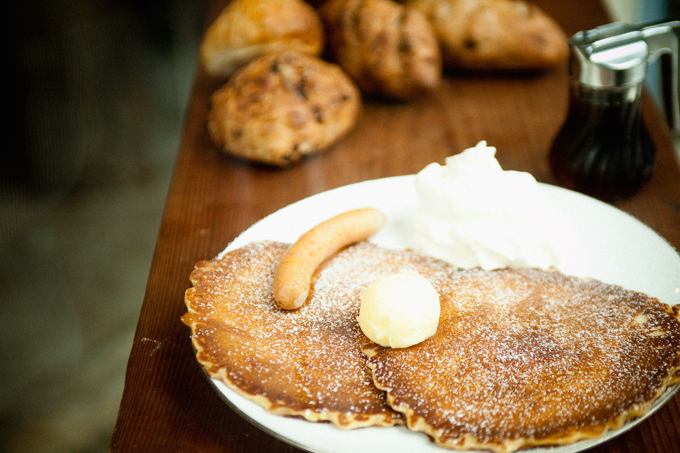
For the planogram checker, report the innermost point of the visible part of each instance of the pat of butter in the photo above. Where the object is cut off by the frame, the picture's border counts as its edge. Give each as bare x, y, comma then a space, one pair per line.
399, 310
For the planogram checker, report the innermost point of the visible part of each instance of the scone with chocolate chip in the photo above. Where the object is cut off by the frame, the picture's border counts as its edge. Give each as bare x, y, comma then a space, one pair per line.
495, 34
281, 107
389, 50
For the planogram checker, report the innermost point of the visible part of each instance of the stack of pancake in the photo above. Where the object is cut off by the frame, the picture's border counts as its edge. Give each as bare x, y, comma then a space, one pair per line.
521, 357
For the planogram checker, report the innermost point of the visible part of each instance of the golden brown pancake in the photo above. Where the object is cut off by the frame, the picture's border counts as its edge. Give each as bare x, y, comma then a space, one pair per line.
520, 357
307, 362
529, 357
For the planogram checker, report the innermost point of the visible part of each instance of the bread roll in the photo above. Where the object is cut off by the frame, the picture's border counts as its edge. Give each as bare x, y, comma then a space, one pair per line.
247, 29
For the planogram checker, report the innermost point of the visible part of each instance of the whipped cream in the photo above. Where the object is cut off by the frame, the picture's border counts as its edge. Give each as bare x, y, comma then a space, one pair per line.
472, 213
399, 310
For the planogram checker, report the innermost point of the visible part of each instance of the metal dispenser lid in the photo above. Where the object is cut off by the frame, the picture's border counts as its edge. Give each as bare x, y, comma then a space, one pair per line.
617, 55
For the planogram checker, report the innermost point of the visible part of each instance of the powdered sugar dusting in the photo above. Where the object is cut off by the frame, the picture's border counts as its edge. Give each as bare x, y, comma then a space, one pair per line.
517, 353
531, 353
309, 358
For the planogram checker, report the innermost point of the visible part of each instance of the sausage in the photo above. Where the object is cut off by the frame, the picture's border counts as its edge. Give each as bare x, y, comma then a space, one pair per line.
293, 274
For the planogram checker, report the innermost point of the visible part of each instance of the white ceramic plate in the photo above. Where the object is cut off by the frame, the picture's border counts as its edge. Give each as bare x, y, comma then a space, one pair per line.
595, 240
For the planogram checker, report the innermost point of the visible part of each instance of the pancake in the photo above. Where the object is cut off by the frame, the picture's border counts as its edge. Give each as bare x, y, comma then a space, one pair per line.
520, 357
530, 357
307, 362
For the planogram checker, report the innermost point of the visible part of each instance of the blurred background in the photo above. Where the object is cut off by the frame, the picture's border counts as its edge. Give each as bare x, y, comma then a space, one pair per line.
97, 94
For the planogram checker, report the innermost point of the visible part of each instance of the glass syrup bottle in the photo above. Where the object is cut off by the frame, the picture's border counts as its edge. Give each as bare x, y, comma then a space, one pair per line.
603, 148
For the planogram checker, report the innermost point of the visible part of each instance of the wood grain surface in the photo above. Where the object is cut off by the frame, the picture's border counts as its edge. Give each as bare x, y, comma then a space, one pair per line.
168, 405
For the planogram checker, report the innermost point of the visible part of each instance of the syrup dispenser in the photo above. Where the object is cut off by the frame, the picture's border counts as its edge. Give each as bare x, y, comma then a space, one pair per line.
603, 148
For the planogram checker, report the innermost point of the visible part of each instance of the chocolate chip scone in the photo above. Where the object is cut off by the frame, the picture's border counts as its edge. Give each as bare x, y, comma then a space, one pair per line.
283, 106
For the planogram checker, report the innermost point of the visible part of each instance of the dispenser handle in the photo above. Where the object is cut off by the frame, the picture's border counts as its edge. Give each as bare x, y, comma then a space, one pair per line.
663, 38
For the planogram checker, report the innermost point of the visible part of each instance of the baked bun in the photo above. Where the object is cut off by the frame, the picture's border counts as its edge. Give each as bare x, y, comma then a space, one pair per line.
247, 29
495, 34
281, 107
388, 49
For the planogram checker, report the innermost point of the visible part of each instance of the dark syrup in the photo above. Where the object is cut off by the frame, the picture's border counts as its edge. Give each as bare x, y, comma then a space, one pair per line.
603, 148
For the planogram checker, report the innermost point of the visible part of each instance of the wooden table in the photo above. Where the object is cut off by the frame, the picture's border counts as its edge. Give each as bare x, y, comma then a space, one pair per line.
167, 403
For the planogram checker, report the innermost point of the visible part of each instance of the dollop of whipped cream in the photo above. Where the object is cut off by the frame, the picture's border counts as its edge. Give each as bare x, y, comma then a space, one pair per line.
472, 213
399, 310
